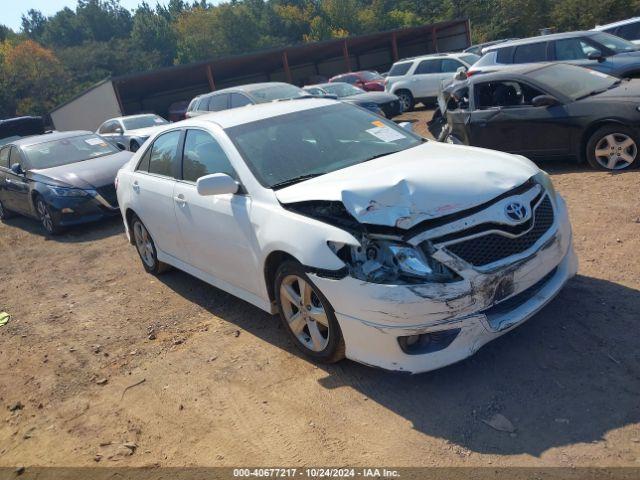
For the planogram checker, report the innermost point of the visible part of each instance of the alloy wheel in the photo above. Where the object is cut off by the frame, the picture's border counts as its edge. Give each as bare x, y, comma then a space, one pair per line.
405, 101
144, 244
616, 151
45, 216
304, 313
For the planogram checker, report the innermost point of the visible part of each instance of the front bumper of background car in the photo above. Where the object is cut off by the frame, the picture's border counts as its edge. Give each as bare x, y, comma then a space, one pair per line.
450, 322
68, 211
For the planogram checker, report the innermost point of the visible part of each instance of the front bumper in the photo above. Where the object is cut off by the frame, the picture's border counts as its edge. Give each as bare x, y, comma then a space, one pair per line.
68, 211
372, 316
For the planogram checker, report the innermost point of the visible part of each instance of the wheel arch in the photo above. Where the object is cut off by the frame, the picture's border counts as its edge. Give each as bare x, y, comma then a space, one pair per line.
271, 264
128, 215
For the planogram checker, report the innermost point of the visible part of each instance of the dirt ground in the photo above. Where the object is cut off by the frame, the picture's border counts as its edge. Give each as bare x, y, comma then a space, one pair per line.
223, 385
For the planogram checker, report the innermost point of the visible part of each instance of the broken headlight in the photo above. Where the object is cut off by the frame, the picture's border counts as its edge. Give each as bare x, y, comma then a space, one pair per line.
390, 262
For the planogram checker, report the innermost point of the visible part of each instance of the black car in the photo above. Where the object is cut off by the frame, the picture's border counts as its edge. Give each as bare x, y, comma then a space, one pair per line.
545, 111
14, 128
61, 179
382, 103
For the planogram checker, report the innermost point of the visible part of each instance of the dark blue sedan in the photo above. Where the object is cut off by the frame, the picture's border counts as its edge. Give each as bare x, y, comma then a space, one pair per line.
61, 179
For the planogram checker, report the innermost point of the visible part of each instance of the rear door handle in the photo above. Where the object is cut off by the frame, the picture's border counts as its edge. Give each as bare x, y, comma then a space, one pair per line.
180, 199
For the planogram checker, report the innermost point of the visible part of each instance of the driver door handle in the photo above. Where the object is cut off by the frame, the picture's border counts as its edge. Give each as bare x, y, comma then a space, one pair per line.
180, 200
136, 187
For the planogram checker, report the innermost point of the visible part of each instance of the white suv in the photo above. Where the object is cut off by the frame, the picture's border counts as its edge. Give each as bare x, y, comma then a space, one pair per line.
365, 238
418, 79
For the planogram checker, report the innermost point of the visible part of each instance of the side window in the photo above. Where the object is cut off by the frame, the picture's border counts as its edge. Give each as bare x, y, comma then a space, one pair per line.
143, 165
630, 31
108, 127
450, 65
203, 156
572, 49
4, 157
532, 52
14, 156
349, 79
428, 66
504, 94
218, 102
459, 99
164, 154
239, 100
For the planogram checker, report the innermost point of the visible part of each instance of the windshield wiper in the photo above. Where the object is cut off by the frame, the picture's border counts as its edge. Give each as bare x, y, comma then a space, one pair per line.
591, 93
294, 180
379, 155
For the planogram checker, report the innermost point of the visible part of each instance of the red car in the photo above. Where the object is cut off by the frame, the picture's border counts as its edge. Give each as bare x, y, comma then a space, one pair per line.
366, 80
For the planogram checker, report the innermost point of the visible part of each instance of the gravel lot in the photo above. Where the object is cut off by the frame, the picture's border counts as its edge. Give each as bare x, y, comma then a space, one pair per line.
214, 381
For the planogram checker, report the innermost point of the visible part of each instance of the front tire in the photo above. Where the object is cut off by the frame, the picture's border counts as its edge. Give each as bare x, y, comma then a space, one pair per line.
613, 148
146, 248
307, 315
46, 217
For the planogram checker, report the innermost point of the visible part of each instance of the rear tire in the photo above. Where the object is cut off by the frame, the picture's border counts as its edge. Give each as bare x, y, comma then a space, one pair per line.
406, 100
307, 315
146, 248
613, 148
4, 213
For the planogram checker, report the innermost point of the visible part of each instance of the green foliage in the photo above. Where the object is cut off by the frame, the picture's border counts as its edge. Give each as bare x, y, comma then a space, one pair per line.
99, 38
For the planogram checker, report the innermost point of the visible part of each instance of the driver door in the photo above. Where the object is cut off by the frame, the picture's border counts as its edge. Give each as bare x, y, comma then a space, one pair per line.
216, 230
504, 119
15, 191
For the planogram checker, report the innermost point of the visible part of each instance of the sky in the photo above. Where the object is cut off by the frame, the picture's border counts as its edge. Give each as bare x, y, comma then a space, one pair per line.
12, 10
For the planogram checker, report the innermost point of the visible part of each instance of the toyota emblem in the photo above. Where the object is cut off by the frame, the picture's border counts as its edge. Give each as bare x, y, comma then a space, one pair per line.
516, 211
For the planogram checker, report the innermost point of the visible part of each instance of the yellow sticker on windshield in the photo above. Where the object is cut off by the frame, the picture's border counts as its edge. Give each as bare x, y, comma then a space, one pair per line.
377, 123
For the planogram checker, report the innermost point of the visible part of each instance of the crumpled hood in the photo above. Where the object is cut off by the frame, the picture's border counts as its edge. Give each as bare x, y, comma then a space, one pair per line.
88, 174
421, 183
145, 132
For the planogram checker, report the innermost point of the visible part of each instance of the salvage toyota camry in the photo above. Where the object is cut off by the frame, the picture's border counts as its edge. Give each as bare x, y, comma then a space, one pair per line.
370, 242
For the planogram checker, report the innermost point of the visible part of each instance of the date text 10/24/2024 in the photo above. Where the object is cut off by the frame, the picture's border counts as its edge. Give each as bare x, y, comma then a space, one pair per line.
316, 472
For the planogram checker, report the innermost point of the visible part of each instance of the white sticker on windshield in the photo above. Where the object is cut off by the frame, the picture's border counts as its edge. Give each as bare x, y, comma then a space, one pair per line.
95, 141
386, 134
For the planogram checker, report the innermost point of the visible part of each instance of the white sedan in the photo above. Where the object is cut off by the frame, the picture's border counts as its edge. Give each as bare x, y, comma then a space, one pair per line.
370, 242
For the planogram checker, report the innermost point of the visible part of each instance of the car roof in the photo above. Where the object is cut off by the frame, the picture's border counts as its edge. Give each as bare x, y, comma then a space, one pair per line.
616, 24
433, 55
248, 88
519, 71
127, 117
48, 137
252, 113
540, 38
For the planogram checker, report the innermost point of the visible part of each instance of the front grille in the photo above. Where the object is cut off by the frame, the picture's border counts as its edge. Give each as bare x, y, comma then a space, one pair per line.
108, 192
493, 247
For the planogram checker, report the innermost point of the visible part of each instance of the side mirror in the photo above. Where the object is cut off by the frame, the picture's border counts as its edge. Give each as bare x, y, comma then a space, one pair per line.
17, 169
120, 146
461, 74
216, 184
544, 101
118, 130
596, 55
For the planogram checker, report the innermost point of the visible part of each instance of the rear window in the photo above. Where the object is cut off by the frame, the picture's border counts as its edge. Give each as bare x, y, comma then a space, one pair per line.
399, 69
630, 31
530, 53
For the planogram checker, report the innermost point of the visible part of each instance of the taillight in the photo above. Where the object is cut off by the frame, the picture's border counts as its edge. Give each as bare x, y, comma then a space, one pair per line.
469, 73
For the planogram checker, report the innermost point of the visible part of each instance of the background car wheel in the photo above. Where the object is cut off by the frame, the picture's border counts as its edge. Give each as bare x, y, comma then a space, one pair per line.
46, 217
613, 147
406, 100
146, 248
4, 213
307, 315
134, 146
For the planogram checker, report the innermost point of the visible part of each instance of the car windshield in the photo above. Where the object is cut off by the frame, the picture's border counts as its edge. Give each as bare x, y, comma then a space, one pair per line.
340, 89
67, 150
617, 44
289, 148
277, 92
572, 81
143, 122
368, 76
